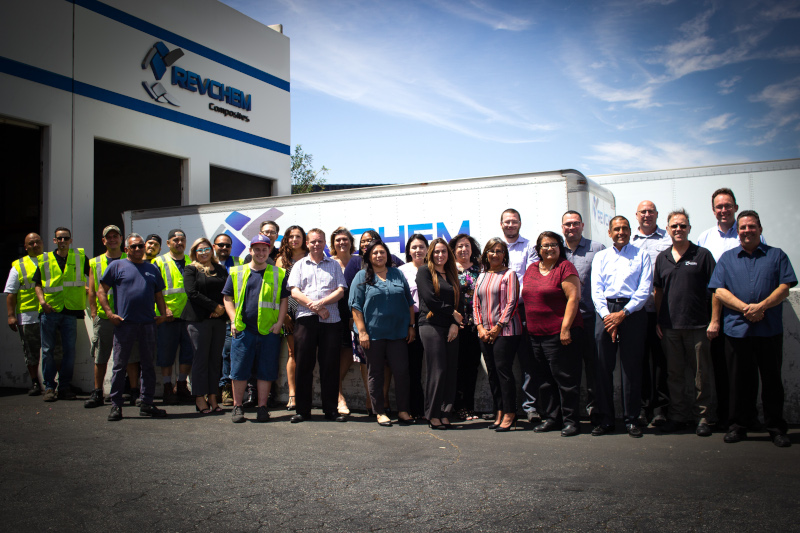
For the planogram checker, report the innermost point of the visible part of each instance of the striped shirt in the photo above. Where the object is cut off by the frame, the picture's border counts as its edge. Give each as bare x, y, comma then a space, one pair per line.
495, 301
316, 281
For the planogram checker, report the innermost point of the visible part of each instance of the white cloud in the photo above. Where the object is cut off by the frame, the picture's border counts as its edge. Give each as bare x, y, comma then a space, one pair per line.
779, 94
483, 13
719, 123
726, 86
625, 157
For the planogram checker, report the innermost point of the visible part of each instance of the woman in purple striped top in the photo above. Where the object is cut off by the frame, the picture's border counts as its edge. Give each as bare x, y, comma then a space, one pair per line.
500, 330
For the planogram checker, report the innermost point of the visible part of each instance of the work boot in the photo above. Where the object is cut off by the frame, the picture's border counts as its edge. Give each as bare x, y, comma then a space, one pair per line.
184, 396
35, 389
50, 395
227, 395
169, 395
95, 400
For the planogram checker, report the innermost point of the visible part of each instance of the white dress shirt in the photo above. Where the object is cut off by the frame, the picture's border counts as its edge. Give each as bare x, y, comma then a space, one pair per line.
521, 254
718, 242
626, 273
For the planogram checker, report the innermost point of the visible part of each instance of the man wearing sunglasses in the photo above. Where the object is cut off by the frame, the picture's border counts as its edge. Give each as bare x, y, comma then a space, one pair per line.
655, 391
137, 287
686, 327
102, 328
60, 285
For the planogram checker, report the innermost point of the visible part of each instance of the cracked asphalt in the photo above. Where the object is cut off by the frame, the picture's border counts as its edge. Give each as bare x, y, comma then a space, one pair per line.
65, 468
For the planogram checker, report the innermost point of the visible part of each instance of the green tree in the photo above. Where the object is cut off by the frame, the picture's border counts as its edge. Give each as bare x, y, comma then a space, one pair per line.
304, 177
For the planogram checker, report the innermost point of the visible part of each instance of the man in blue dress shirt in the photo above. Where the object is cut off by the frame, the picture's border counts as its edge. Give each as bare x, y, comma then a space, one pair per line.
622, 278
751, 281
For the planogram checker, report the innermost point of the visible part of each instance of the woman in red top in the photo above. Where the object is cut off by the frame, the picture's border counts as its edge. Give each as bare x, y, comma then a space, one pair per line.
551, 293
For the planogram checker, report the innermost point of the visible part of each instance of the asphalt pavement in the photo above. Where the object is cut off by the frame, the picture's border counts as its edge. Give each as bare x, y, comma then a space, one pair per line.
65, 468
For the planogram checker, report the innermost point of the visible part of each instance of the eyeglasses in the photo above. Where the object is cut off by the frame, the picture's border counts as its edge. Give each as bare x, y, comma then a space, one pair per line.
676, 226
724, 207
221, 245
571, 224
269, 232
135, 246
203, 250
62, 239
549, 246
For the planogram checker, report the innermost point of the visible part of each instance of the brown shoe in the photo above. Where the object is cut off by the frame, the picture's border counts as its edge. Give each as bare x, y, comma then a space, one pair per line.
227, 395
184, 396
169, 395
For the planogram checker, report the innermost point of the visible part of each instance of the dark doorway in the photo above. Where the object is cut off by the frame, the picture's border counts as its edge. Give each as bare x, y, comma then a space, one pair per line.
232, 185
20, 152
128, 178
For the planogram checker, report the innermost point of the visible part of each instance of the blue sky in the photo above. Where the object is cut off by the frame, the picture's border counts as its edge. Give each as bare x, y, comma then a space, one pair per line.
406, 91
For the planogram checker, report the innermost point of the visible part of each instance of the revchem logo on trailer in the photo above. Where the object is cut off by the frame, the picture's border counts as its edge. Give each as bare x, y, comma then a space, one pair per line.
158, 59
246, 227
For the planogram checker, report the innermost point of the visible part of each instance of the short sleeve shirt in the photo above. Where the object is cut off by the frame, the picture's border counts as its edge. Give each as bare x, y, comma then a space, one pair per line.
686, 303
316, 281
752, 278
545, 301
581, 258
135, 286
384, 304
251, 293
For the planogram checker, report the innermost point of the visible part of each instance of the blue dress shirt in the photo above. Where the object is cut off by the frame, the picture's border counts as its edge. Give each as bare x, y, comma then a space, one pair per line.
752, 278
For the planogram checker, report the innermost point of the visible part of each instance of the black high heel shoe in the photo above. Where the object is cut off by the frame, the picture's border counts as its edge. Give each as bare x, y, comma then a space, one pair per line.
494, 426
502, 429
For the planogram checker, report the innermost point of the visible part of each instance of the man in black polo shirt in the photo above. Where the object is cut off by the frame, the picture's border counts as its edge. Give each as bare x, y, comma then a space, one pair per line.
685, 325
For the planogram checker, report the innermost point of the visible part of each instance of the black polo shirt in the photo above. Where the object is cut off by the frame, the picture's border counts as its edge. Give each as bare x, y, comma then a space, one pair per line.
686, 303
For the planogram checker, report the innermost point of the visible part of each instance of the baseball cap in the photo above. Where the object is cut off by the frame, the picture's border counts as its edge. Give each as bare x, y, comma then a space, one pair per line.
259, 238
174, 232
112, 227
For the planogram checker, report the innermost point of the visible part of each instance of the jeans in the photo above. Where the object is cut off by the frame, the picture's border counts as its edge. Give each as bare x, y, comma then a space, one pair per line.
225, 378
50, 324
250, 347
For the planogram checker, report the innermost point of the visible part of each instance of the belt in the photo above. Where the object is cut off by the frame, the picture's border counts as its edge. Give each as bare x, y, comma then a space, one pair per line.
618, 300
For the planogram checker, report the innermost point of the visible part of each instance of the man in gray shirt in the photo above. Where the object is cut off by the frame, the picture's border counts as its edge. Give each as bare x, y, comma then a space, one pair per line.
655, 390
580, 252
317, 283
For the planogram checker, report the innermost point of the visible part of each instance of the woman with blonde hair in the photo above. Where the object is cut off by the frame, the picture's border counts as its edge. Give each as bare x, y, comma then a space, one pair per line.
203, 281
440, 313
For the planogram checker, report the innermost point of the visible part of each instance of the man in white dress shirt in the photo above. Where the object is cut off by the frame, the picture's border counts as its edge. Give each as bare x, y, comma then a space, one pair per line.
622, 279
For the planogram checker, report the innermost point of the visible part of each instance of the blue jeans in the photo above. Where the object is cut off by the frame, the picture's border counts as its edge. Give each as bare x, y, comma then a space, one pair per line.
169, 335
225, 378
264, 349
50, 324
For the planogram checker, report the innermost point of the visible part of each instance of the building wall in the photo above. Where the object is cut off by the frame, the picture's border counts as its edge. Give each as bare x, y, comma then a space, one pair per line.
75, 69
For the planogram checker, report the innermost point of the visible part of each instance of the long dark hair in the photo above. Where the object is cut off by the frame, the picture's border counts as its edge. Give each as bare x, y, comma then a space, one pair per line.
414, 237
369, 278
286, 250
475, 256
372, 233
450, 270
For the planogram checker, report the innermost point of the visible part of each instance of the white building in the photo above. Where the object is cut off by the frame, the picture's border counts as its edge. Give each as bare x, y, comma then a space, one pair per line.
115, 105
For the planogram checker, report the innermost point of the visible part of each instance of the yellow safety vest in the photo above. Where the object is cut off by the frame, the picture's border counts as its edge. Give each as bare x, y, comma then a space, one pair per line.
98, 268
64, 289
174, 293
269, 299
26, 298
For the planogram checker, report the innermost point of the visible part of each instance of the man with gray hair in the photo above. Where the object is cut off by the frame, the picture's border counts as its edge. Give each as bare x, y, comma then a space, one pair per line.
137, 286
686, 326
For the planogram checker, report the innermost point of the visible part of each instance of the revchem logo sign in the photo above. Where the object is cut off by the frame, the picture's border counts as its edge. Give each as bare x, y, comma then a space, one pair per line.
160, 57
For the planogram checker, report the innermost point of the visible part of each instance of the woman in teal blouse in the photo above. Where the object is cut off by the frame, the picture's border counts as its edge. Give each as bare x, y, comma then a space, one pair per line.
383, 319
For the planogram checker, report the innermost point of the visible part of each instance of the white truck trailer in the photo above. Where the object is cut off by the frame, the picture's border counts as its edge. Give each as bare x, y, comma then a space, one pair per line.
435, 209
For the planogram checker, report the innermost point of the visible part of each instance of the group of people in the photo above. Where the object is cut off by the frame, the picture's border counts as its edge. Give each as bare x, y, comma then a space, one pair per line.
564, 306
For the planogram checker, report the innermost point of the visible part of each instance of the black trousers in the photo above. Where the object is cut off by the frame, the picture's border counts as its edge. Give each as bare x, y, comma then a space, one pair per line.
655, 389
589, 356
416, 400
747, 358
719, 360
315, 341
560, 369
499, 358
630, 344
469, 360
441, 362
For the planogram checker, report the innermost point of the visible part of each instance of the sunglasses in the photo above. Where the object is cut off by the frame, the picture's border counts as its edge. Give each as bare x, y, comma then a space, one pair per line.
135, 246
676, 226
221, 245
203, 250
62, 239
